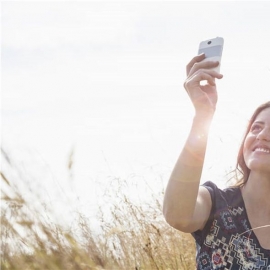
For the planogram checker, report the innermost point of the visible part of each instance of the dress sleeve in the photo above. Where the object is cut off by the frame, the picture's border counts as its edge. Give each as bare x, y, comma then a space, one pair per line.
201, 234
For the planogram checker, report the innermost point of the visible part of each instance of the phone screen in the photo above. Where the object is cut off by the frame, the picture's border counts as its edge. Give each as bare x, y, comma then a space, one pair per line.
211, 51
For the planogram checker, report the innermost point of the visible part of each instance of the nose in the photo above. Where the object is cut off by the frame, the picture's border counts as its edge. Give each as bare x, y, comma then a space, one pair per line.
264, 135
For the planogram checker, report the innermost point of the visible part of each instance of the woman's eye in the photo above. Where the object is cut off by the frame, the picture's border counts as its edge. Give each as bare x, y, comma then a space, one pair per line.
256, 128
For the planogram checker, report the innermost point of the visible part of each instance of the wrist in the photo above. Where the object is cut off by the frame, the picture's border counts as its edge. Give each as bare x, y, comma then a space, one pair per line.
203, 117
201, 125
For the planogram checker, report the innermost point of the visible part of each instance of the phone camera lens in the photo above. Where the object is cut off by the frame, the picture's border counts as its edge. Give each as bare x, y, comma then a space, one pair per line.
209, 42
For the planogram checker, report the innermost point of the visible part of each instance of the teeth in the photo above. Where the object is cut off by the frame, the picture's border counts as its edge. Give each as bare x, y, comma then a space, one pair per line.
262, 150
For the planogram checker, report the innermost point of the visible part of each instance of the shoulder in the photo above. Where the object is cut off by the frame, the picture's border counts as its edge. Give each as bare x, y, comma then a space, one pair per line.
220, 200
216, 193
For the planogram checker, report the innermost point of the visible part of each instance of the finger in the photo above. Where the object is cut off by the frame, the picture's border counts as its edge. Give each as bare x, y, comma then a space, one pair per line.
194, 60
197, 78
213, 73
203, 65
210, 72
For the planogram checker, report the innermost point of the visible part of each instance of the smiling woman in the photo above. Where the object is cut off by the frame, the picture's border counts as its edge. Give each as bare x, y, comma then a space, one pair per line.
258, 127
103, 78
231, 226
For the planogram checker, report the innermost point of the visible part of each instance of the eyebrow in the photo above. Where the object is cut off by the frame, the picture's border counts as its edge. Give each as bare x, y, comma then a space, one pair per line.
258, 122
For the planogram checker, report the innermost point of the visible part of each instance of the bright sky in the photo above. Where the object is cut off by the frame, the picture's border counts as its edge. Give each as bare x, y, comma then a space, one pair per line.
106, 79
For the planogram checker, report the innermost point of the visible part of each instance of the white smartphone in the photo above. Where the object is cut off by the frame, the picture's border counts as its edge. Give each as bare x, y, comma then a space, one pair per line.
213, 50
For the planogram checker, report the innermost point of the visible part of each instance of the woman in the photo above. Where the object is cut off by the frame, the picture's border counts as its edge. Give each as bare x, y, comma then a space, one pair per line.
232, 226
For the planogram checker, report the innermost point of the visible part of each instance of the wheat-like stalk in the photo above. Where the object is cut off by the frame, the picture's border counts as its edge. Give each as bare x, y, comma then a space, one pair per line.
132, 233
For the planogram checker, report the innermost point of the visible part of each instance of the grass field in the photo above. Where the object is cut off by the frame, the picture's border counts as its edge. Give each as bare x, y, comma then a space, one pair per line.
131, 235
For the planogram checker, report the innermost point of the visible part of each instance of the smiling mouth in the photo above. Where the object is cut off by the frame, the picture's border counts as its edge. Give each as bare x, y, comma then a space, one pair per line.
262, 150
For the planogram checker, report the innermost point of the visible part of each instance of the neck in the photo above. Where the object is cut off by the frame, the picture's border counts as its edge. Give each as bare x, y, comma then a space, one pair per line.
257, 190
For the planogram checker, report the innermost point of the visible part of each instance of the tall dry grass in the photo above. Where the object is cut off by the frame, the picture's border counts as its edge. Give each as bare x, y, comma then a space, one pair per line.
131, 234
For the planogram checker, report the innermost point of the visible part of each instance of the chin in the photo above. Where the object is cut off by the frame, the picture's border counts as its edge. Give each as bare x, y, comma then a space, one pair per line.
259, 166
260, 169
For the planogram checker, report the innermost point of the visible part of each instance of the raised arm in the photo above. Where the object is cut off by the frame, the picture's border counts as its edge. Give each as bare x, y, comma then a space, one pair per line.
186, 205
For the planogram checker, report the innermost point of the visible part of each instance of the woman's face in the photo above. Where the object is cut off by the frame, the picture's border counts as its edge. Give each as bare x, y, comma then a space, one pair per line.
256, 149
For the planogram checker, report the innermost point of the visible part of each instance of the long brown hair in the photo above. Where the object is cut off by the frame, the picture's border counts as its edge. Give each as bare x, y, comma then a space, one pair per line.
242, 171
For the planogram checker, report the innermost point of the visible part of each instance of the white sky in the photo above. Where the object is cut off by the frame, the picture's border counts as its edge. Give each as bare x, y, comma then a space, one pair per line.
105, 78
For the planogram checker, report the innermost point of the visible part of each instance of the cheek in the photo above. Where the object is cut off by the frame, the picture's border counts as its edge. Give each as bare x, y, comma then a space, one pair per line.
249, 140
247, 146
247, 143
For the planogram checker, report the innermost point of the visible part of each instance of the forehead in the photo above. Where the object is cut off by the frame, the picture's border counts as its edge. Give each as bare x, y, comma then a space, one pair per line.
264, 116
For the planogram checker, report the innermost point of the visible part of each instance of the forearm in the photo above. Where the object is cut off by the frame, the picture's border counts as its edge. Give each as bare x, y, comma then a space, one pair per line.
182, 190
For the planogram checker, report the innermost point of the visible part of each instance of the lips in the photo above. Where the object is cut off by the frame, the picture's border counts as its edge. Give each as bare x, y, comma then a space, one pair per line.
262, 149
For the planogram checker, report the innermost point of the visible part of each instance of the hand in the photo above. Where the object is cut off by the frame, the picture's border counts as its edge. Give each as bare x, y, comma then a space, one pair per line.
203, 97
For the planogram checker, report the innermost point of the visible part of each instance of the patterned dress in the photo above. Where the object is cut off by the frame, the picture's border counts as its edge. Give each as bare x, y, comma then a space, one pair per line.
227, 241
